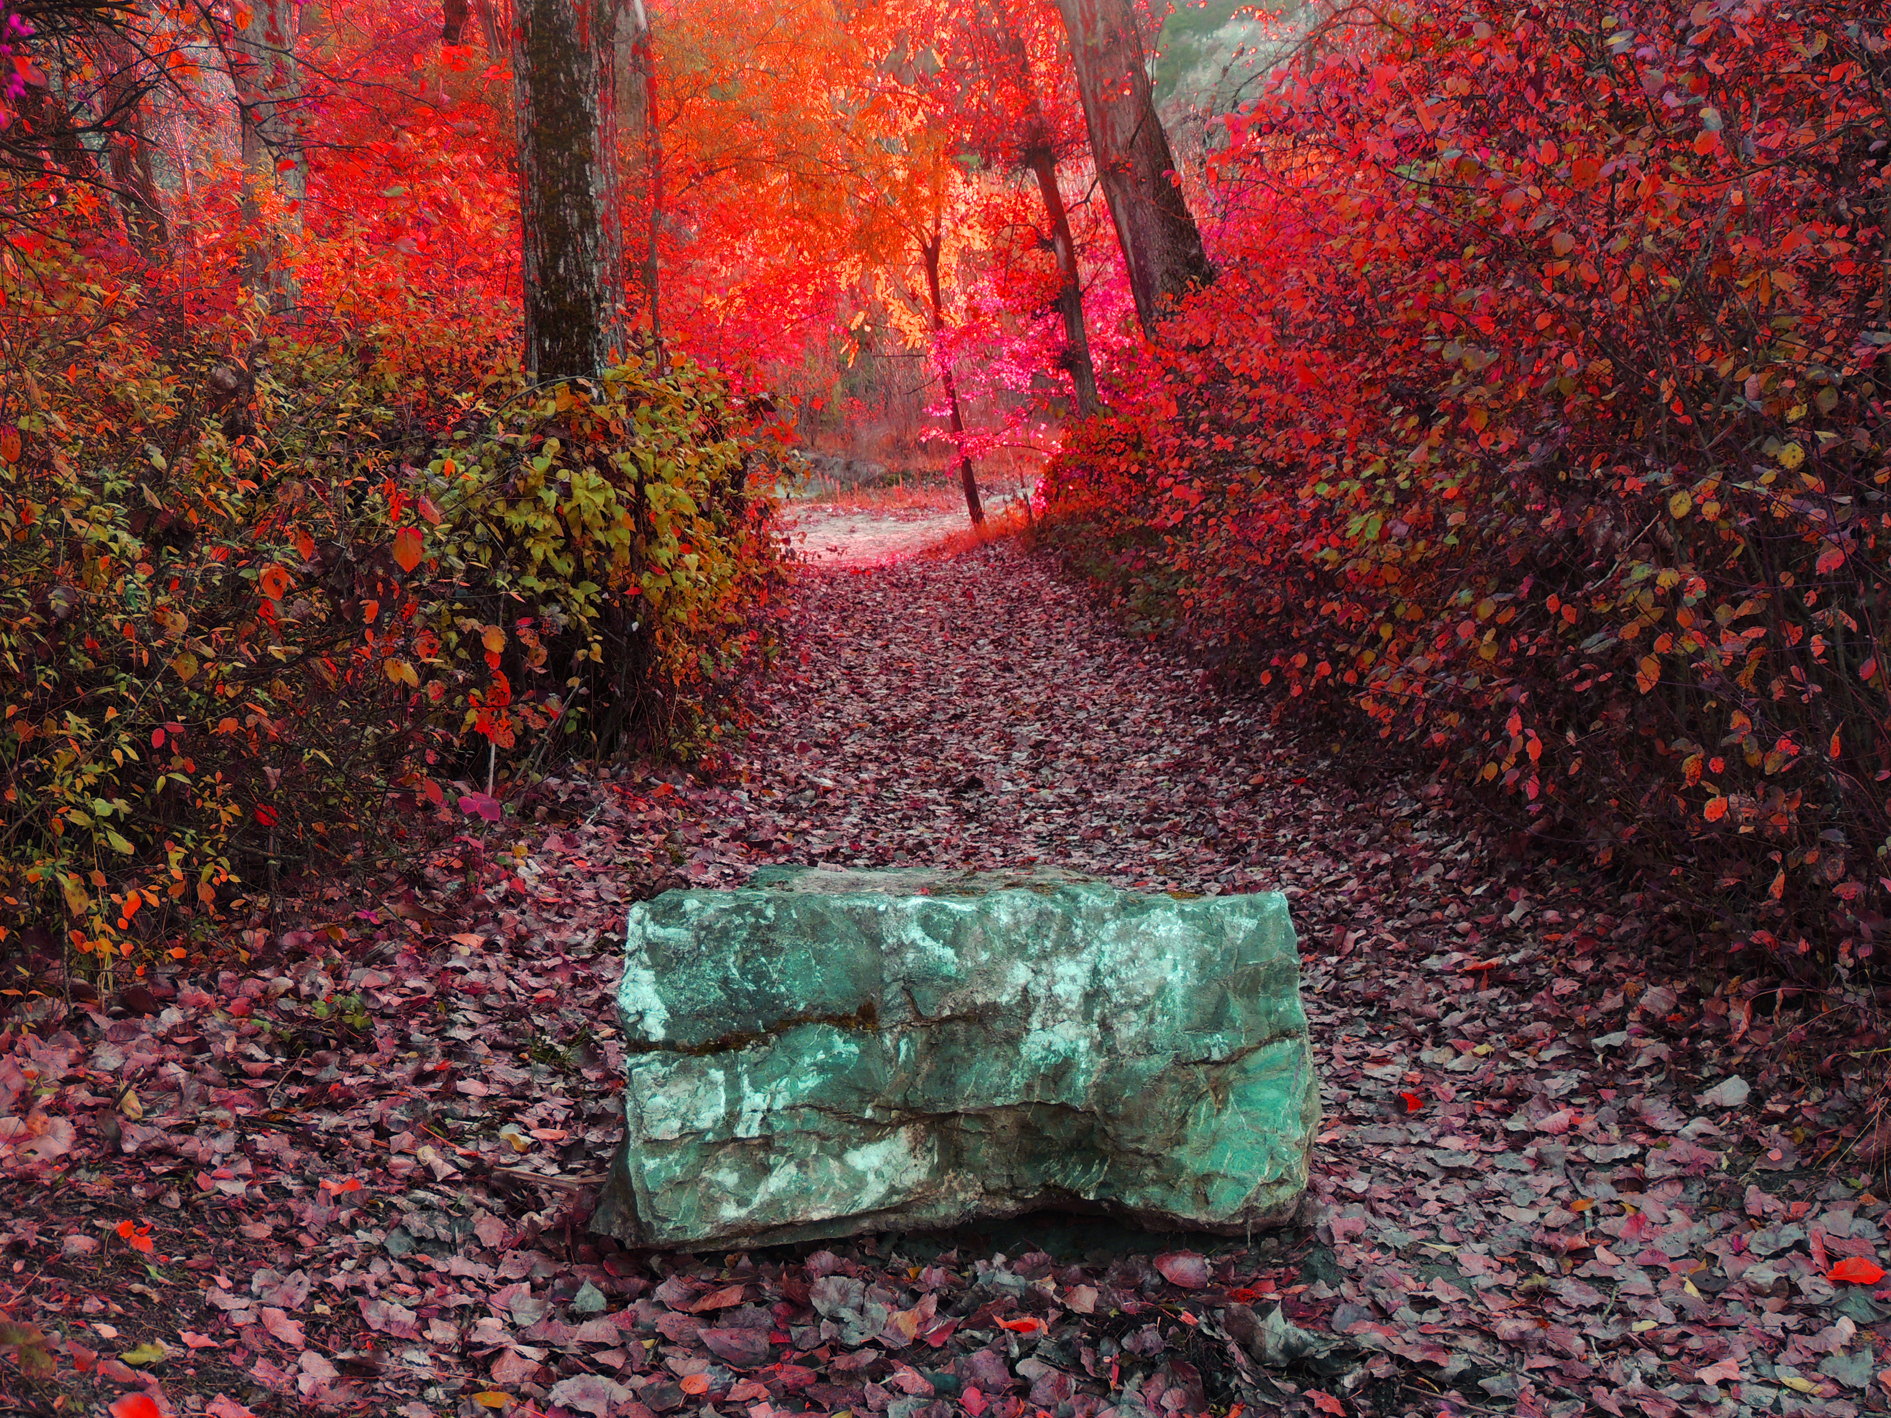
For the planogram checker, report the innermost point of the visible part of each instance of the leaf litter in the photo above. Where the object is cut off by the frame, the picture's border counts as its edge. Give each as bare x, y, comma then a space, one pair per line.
1559, 1172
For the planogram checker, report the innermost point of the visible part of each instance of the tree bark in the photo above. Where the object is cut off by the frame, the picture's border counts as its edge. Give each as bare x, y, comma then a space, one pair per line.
640, 157
134, 182
1076, 357
931, 250
268, 83
1161, 244
564, 88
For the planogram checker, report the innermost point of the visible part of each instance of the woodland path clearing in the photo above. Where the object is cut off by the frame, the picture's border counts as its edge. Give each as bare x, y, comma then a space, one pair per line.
1517, 1197
826, 536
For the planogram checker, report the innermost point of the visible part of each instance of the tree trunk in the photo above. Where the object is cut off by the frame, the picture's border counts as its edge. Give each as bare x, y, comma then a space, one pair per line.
268, 96
1040, 155
564, 82
454, 15
1076, 357
640, 156
134, 182
1161, 245
931, 250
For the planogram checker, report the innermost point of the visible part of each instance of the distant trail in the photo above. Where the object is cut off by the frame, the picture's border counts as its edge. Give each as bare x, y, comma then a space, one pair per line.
832, 536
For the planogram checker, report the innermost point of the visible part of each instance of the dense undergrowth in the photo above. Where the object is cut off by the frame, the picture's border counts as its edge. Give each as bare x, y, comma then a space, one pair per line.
269, 593
1537, 416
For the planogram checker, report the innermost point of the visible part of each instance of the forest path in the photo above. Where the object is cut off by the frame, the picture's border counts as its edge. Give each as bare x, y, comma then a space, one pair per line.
1538, 1168
1535, 1186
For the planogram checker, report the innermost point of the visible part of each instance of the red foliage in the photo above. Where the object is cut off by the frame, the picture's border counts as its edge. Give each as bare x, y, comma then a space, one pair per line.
1536, 415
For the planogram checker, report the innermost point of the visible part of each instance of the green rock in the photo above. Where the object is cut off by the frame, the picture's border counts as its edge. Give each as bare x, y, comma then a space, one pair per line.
829, 1052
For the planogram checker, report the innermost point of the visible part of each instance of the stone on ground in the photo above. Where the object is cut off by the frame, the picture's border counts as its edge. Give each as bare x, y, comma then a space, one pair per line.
829, 1052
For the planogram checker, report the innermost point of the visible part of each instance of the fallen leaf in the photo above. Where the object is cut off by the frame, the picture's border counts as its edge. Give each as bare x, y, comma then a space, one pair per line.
1857, 1270
1726, 1371
286, 1331
1728, 1093
1183, 1268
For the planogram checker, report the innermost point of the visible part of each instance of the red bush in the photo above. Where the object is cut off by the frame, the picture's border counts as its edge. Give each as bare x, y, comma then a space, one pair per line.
1537, 414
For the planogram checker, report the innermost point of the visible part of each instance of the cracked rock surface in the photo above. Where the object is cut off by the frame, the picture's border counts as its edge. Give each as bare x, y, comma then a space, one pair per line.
827, 1052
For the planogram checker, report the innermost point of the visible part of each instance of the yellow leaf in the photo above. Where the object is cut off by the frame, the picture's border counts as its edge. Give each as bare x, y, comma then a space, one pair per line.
1680, 505
1642, 1326
492, 1398
129, 1107
400, 672
1793, 1381
186, 666
145, 1354
494, 639
77, 901
1791, 456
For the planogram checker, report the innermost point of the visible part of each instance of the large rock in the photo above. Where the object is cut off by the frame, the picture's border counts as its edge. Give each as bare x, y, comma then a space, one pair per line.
829, 1052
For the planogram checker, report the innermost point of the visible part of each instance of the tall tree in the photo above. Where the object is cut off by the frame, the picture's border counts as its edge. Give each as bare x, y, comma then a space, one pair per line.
640, 153
564, 75
267, 79
931, 251
1161, 244
1037, 151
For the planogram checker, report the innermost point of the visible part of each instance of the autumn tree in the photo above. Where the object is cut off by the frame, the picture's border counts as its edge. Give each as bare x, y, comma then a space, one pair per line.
564, 96
1161, 244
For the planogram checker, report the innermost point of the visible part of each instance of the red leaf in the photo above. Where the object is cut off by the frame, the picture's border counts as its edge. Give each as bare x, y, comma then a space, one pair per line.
1183, 1268
136, 1405
1413, 1101
407, 548
1026, 1324
1325, 1402
1856, 1270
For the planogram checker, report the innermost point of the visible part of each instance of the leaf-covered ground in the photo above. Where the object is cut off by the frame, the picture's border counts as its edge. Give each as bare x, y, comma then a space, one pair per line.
1555, 1176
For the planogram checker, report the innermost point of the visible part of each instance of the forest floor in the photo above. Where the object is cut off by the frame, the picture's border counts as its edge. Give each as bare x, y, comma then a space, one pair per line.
1554, 1176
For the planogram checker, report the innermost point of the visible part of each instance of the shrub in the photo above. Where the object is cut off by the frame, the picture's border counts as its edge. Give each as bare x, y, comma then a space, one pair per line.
1538, 417
246, 601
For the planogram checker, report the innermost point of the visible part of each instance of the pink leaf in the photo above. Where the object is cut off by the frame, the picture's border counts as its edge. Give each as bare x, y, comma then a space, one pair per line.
1183, 1268
480, 805
287, 1331
1726, 1371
